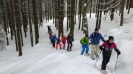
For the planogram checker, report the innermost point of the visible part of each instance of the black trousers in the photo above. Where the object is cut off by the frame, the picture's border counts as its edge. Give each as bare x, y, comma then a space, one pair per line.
105, 61
69, 45
53, 42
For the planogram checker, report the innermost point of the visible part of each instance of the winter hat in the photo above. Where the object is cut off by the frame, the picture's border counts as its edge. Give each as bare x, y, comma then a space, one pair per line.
86, 35
96, 29
111, 37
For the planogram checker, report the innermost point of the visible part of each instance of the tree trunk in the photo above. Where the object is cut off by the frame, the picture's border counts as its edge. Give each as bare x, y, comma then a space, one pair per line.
30, 24
4, 19
72, 17
18, 26
61, 17
122, 13
35, 21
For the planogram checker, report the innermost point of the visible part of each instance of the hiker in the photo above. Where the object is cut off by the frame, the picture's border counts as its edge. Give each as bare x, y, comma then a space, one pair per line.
85, 43
50, 37
107, 48
54, 38
58, 43
64, 41
69, 42
49, 29
95, 39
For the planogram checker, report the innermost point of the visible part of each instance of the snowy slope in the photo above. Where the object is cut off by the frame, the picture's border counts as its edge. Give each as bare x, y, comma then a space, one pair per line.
43, 59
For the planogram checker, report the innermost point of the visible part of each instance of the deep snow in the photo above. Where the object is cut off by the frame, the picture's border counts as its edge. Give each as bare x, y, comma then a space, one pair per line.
43, 59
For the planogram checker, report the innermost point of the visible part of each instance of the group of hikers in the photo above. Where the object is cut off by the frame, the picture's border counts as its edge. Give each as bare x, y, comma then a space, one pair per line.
56, 41
96, 48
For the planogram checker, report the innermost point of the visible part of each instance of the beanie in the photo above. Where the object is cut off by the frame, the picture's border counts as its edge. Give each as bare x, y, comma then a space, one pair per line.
96, 29
111, 37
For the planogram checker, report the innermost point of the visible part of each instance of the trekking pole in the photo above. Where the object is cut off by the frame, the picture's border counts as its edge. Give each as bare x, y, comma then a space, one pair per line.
116, 62
97, 58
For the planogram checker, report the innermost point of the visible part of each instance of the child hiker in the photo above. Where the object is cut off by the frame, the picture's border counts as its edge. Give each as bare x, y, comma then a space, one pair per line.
64, 38
58, 43
53, 39
85, 45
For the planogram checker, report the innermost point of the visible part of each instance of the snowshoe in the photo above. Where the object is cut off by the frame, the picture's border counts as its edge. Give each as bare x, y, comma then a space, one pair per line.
104, 72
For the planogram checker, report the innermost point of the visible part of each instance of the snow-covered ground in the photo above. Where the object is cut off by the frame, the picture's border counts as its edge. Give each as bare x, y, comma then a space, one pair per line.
43, 59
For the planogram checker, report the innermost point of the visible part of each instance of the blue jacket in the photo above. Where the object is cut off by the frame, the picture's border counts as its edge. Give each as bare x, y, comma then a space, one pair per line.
54, 38
95, 38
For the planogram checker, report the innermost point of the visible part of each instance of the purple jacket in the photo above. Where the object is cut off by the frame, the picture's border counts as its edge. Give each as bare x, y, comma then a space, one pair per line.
108, 48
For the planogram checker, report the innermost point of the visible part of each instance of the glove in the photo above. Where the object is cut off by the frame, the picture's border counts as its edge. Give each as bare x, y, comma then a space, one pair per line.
101, 48
89, 44
103, 40
118, 53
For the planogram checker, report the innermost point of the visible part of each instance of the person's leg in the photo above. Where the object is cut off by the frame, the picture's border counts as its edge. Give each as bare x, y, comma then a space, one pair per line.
97, 50
52, 43
71, 45
87, 48
104, 62
68, 45
64, 45
60, 46
92, 51
83, 49
56, 45
108, 59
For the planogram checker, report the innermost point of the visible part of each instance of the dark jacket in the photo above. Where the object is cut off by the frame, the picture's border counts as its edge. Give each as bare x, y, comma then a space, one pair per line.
58, 41
70, 38
95, 38
107, 48
49, 29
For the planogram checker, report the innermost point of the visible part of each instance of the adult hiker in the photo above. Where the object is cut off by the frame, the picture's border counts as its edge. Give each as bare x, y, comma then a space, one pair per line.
95, 39
49, 29
58, 43
69, 42
64, 38
107, 48
50, 37
85, 43
54, 38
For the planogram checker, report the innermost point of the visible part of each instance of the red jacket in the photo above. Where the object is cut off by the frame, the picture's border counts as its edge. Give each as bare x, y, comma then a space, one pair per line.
50, 36
64, 39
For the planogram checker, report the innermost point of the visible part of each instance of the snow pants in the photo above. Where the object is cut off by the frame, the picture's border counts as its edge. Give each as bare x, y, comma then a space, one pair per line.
57, 45
85, 46
64, 45
105, 61
69, 47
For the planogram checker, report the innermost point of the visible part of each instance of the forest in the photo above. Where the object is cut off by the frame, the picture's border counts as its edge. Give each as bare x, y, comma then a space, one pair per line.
22, 16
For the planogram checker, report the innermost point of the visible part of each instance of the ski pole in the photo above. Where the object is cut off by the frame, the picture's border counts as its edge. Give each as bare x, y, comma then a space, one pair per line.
98, 58
116, 62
